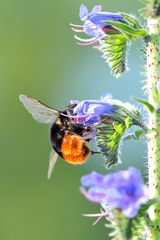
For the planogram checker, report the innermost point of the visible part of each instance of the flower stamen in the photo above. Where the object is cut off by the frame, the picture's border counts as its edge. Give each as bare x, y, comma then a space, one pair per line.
77, 30
87, 44
83, 39
98, 215
75, 25
76, 117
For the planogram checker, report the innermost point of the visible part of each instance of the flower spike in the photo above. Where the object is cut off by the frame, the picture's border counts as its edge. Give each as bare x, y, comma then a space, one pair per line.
110, 119
112, 31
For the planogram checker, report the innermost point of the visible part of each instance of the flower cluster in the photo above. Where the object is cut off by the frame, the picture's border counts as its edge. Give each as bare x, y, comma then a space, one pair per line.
122, 190
122, 195
112, 32
94, 23
89, 111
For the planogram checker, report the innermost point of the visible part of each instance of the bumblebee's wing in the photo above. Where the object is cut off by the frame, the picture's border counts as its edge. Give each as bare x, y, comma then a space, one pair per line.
52, 161
40, 112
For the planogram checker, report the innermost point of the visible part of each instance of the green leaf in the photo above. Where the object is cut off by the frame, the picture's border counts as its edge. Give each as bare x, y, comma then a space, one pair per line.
139, 133
116, 56
146, 206
113, 136
111, 144
135, 135
117, 42
146, 104
114, 49
156, 94
128, 110
125, 28
132, 21
119, 226
108, 142
119, 128
111, 129
128, 122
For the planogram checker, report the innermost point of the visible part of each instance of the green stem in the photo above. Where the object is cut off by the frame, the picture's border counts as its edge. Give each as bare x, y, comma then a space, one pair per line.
154, 137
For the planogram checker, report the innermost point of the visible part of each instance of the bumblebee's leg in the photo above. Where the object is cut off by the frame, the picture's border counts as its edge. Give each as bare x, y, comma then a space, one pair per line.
94, 152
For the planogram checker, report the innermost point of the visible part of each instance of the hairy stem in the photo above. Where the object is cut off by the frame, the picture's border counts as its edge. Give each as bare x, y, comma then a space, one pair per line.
154, 123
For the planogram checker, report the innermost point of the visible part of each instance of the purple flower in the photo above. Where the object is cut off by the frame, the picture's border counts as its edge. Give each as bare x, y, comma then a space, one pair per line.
94, 23
89, 111
122, 190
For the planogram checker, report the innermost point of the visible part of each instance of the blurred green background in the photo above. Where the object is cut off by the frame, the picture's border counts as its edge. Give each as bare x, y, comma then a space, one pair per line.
40, 58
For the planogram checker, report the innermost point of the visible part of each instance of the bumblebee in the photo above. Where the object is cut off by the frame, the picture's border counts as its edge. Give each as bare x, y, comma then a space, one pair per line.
68, 138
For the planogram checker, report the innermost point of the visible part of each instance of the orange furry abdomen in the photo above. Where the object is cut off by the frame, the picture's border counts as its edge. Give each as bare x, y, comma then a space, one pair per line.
74, 150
